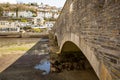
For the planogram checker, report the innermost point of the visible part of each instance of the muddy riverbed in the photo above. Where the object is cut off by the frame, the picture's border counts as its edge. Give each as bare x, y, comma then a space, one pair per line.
35, 65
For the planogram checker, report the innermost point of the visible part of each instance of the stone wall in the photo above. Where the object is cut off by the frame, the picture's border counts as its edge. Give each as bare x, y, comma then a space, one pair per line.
97, 23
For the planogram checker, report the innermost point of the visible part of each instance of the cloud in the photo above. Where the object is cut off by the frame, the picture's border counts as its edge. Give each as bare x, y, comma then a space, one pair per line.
9, 1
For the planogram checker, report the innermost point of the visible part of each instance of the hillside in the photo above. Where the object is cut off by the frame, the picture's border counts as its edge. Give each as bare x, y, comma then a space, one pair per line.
16, 7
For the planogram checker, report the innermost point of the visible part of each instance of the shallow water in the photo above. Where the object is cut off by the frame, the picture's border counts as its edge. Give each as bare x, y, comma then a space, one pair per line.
43, 66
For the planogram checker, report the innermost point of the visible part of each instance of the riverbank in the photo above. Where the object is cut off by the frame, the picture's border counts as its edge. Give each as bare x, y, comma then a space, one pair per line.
23, 68
22, 35
13, 48
10, 54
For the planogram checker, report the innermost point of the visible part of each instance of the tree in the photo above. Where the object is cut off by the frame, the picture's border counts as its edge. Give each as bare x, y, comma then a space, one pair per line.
7, 5
16, 10
34, 4
23, 20
37, 29
1, 11
27, 28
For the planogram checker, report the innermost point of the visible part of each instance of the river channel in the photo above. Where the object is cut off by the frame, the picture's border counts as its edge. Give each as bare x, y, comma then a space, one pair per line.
34, 63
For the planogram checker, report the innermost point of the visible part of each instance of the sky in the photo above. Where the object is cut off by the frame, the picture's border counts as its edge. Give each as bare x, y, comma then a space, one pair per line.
57, 3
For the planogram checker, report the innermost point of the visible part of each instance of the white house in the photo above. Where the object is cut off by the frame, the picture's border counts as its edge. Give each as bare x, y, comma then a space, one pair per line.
56, 15
26, 14
49, 24
38, 20
9, 13
48, 14
41, 26
6, 26
47, 11
40, 14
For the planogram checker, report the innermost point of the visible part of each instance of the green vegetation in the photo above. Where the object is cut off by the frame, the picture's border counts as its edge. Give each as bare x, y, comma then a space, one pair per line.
49, 19
1, 11
17, 7
26, 28
18, 19
18, 48
15, 48
33, 4
23, 20
37, 30
34, 15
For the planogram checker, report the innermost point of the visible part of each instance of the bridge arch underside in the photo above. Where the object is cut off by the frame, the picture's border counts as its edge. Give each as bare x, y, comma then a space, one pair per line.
70, 53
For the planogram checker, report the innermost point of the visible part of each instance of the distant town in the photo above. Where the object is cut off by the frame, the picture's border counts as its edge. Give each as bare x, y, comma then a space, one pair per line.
27, 17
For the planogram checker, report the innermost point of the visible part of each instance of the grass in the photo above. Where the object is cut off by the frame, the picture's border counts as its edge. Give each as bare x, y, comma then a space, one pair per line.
15, 48
19, 48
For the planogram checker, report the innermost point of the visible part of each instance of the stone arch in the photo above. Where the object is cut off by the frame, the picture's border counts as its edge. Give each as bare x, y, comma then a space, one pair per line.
70, 50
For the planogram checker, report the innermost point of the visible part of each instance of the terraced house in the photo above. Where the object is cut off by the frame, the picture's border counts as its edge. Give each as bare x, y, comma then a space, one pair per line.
6, 26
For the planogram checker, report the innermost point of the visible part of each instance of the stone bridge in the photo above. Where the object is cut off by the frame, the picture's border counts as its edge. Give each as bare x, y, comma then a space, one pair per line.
92, 27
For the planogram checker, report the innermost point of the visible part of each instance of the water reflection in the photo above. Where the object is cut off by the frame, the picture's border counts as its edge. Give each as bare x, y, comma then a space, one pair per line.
44, 66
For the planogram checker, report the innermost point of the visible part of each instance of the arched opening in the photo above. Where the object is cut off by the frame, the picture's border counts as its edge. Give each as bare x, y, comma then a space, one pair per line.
74, 60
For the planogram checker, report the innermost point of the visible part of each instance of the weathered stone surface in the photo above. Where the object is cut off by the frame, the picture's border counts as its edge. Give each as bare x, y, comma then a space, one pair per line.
94, 26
